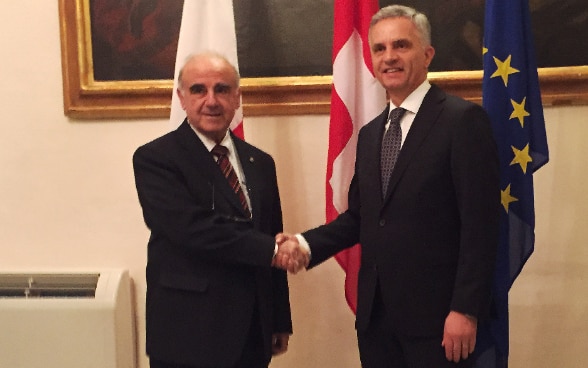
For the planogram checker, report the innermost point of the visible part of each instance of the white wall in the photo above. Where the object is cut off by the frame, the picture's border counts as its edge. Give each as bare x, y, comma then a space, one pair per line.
67, 200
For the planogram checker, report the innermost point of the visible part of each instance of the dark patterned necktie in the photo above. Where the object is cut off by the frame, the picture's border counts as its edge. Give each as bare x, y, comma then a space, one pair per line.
391, 147
229, 172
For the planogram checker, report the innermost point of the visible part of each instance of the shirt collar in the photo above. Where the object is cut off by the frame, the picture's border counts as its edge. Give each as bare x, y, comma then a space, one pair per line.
209, 143
413, 102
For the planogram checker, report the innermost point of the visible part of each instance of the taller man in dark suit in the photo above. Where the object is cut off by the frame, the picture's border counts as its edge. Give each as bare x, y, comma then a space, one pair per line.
213, 299
429, 231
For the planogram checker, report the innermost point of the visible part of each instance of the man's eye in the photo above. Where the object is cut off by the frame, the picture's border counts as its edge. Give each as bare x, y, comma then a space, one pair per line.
401, 44
222, 88
197, 89
377, 48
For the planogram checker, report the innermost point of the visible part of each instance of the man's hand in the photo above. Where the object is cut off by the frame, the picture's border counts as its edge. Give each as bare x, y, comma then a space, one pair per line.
280, 343
290, 256
459, 336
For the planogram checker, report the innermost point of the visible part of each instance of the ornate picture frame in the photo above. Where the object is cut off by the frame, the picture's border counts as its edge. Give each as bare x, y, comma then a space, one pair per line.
86, 98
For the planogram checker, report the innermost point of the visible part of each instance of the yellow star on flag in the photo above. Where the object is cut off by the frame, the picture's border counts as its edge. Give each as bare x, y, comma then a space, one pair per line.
506, 198
484, 50
503, 69
519, 111
521, 157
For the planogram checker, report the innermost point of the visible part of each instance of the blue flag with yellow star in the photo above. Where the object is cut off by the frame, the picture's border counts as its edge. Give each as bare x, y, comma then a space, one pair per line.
512, 98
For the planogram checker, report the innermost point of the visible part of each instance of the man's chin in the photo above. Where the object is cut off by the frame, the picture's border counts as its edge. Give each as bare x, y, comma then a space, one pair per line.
394, 85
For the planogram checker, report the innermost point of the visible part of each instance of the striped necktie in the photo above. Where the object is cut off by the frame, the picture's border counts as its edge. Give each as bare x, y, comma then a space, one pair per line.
229, 172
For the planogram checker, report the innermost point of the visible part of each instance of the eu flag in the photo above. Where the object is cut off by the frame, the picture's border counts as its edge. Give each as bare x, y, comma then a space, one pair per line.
512, 98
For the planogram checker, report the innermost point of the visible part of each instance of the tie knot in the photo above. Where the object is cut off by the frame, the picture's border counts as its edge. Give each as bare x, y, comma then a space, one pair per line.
219, 150
396, 115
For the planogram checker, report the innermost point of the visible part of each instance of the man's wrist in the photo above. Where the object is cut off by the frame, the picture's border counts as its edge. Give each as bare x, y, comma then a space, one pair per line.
304, 244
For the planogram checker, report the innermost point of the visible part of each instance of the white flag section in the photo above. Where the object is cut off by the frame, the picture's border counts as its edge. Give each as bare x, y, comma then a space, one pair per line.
207, 25
364, 99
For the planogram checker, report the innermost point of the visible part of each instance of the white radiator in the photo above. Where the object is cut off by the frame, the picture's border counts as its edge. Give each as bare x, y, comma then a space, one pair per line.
66, 320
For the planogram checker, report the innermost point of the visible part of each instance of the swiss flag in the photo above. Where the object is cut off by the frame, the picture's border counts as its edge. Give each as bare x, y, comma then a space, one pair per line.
356, 99
207, 25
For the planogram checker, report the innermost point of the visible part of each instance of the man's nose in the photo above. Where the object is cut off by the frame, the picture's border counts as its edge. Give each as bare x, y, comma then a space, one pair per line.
390, 54
211, 98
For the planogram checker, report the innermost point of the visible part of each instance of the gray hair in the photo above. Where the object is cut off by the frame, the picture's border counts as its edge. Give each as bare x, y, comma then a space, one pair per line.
208, 55
418, 19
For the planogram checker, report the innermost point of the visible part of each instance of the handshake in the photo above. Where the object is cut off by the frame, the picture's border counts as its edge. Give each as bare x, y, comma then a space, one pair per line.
291, 255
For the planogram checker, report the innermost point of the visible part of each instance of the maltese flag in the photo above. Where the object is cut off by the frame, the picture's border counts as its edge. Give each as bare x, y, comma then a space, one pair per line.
356, 99
207, 25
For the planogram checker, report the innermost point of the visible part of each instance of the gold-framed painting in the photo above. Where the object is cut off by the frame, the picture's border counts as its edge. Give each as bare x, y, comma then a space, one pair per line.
90, 96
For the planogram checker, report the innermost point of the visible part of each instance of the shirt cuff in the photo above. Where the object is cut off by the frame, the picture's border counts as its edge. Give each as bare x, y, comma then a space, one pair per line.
304, 244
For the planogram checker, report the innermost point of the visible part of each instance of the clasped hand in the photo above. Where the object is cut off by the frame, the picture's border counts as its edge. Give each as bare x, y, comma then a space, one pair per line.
291, 256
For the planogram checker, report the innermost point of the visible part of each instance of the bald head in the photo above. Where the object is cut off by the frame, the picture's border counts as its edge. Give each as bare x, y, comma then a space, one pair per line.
211, 58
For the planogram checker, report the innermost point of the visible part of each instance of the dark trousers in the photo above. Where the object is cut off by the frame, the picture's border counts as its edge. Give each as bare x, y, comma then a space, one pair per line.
381, 346
249, 359
252, 357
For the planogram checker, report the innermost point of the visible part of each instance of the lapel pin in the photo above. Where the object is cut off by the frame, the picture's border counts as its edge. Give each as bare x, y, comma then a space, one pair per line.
251, 159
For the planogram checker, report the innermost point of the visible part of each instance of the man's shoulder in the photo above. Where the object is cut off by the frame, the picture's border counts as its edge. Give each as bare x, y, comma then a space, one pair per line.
182, 133
450, 99
161, 141
376, 122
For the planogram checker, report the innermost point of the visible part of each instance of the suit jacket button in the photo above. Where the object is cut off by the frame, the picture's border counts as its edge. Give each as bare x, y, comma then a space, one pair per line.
382, 222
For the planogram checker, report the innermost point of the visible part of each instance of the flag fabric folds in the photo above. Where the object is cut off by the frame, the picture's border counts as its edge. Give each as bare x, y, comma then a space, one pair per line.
512, 98
207, 25
356, 98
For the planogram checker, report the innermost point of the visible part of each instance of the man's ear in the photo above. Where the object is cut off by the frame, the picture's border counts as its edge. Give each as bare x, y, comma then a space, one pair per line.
180, 97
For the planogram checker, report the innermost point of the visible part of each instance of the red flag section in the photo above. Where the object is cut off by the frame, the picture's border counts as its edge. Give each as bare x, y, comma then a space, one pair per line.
356, 99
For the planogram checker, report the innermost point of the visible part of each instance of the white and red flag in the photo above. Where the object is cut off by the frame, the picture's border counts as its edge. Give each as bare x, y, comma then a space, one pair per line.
207, 25
356, 98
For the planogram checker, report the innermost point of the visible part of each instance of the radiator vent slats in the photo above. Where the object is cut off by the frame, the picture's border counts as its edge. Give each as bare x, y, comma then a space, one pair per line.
48, 285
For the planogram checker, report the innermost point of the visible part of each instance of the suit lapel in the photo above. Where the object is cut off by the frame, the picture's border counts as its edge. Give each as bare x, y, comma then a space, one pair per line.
419, 130
204, 164
251, 172
369, 146
200, 158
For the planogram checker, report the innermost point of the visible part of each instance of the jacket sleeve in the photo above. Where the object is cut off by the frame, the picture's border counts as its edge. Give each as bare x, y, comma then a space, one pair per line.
475, 173
281, 296
343, 232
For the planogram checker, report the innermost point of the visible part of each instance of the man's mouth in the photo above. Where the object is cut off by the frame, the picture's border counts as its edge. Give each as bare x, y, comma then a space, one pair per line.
392, 70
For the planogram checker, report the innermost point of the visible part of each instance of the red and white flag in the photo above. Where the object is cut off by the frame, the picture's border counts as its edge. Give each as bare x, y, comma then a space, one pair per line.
207, 25
356, 98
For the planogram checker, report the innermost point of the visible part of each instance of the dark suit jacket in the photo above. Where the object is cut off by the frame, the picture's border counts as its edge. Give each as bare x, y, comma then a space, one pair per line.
208, 268
431, 243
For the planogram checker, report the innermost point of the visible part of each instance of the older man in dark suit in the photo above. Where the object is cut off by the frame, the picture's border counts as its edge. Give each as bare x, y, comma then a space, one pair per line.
424, 205
211, 202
